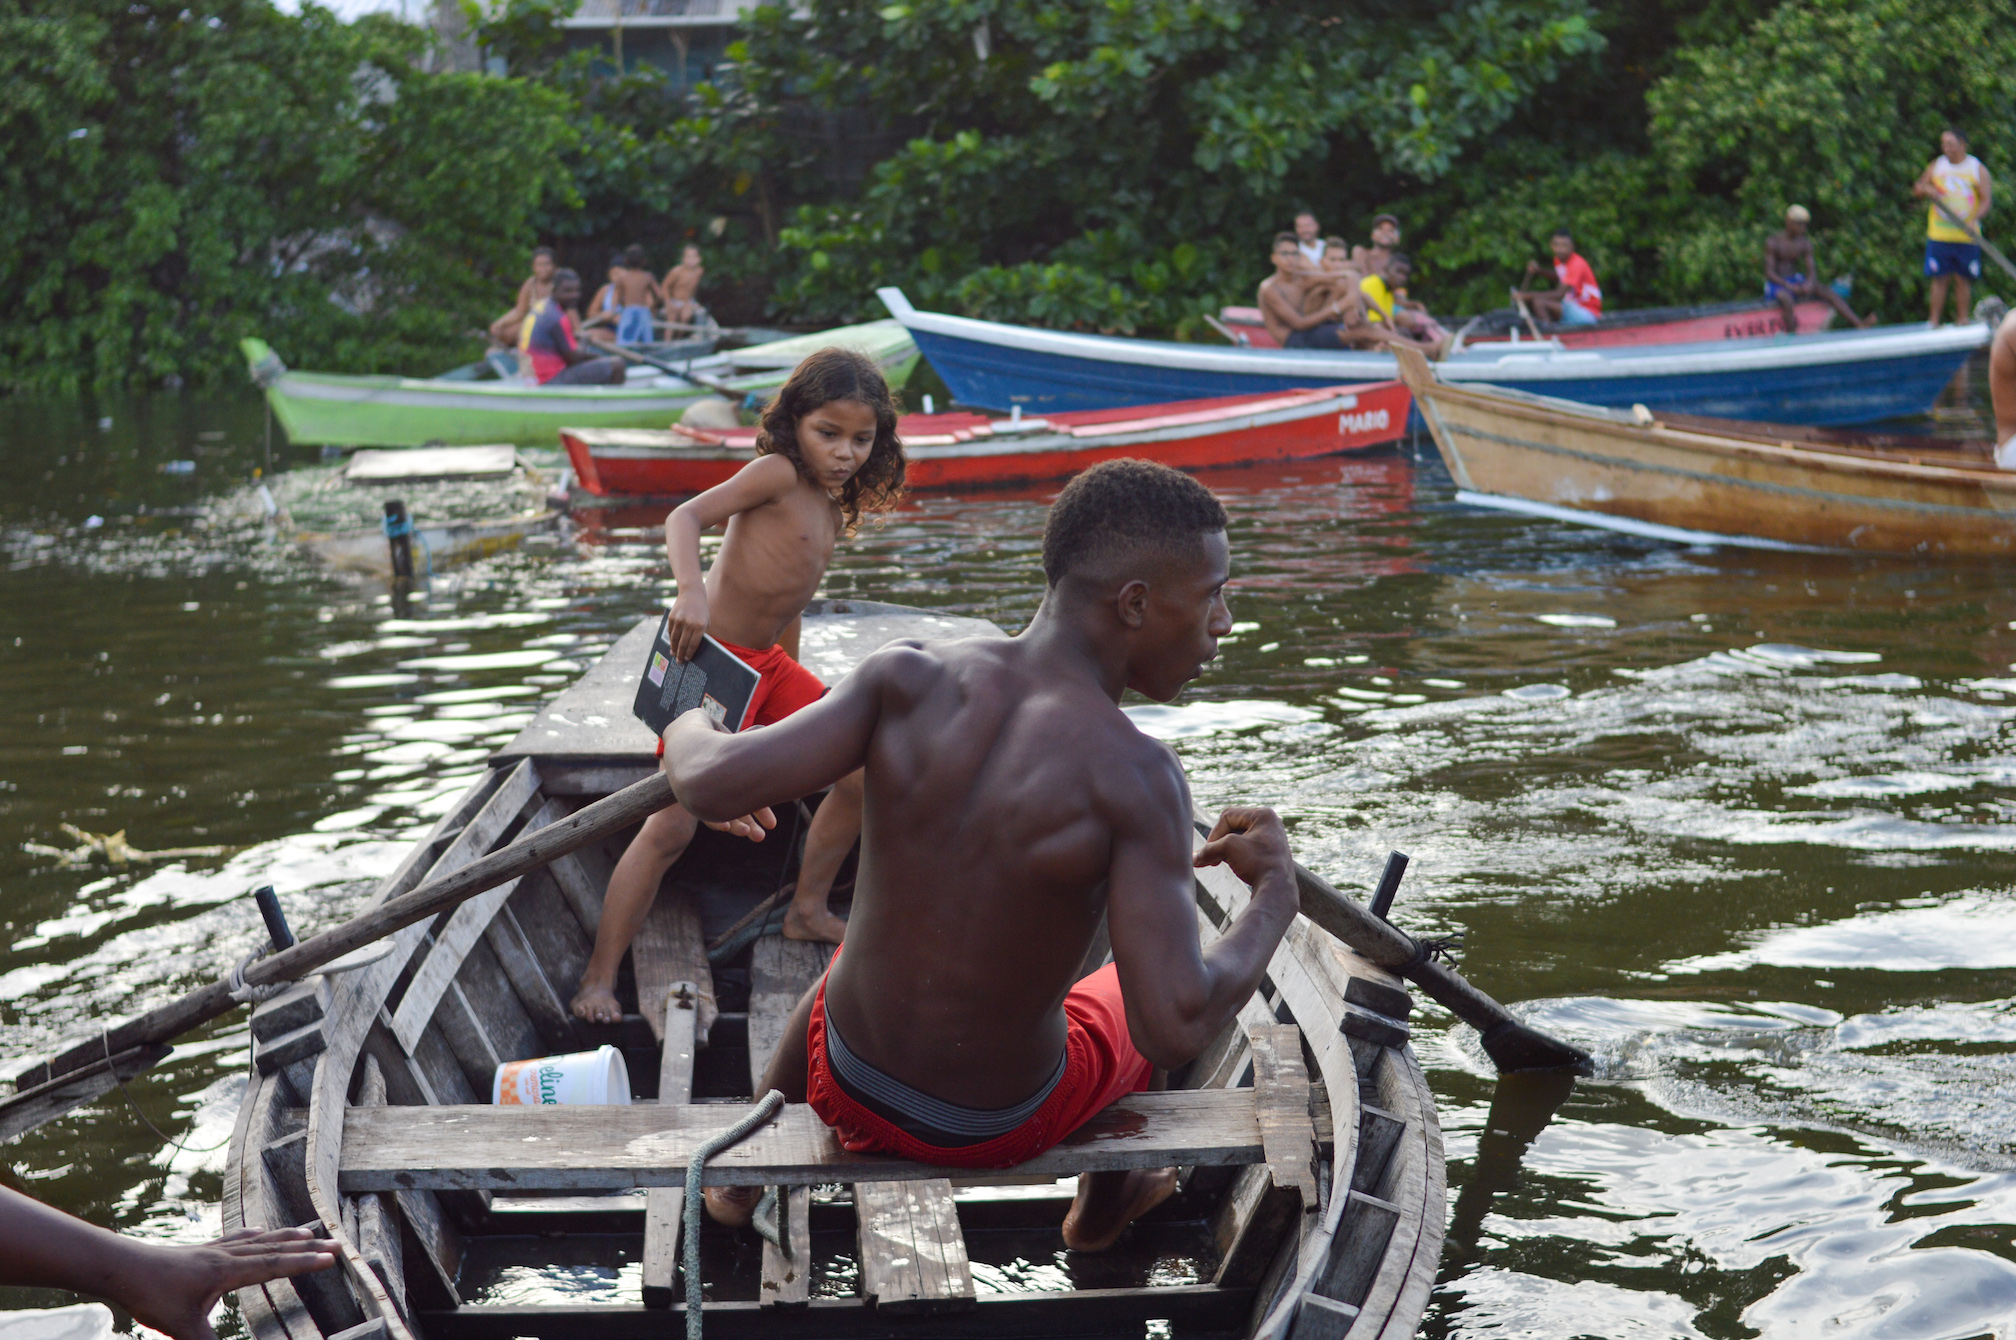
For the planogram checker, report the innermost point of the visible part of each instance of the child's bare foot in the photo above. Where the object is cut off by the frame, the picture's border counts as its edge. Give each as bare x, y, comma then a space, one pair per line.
733, 1206
596, 1003
817, 924
1107, 1202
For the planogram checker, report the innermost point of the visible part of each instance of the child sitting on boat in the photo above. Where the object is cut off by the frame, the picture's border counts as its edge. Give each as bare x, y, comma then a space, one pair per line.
828, 452
682, 288
628, 301
1011, 806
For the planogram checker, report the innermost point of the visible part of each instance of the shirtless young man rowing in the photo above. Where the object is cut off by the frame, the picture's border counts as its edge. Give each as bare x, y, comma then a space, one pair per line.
1009, 804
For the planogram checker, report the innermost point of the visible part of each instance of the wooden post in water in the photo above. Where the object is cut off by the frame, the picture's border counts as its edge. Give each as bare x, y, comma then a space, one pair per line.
399, 533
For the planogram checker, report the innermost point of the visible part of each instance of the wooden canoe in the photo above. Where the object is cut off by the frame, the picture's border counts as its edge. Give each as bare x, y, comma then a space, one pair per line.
1313, 1203
1704, 480
953, 451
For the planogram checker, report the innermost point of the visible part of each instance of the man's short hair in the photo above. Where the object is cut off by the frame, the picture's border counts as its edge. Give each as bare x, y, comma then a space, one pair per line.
1289, 238
1304, 213
547, 252
565, 276
1378, 219
1957, 134
1563, 231
1125, 510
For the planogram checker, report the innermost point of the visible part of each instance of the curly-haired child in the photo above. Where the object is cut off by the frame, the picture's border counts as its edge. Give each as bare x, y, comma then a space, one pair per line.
828, 452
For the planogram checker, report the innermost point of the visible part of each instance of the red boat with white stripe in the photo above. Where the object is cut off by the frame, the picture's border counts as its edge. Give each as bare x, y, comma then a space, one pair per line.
962, 451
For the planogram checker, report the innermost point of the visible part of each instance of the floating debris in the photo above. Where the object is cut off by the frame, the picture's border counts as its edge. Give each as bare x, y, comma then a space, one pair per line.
114, 848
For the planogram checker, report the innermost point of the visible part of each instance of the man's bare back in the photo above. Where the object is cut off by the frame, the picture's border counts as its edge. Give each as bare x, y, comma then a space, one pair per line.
1010, 803
634, 288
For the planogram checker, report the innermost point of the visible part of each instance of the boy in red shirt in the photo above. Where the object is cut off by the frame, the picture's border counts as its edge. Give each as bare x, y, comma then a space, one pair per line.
1579, 299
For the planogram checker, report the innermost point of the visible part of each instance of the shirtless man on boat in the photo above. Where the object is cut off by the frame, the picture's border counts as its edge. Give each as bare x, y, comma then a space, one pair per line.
1789, 270
1010, 804
1282, 298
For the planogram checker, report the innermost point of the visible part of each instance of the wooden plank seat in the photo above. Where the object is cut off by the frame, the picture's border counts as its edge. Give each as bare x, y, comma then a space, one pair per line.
479, 1147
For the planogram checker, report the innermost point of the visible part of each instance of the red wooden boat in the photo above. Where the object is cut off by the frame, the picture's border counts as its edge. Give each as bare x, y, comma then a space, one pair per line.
1646, 325
958, 451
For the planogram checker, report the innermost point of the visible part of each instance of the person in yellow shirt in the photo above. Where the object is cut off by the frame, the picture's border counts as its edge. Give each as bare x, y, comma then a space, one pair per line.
1956, 180
1383, 307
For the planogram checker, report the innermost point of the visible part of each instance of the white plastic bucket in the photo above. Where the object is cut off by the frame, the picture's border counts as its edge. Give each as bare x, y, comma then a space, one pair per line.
575, 1079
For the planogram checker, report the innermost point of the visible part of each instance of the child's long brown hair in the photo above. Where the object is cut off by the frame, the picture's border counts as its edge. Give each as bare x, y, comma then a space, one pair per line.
840, 374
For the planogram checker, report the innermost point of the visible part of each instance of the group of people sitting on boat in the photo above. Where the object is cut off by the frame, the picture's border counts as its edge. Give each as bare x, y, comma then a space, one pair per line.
1326, 295
546, 328
1004, 803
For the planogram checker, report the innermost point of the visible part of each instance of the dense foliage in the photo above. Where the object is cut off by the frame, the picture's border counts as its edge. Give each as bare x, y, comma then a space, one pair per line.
175, 177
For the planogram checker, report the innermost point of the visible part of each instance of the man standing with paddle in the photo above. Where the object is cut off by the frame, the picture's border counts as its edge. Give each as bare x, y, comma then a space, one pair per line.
1957, 181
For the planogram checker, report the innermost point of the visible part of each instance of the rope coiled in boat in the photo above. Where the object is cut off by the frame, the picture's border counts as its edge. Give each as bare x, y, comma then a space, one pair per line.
773, 1102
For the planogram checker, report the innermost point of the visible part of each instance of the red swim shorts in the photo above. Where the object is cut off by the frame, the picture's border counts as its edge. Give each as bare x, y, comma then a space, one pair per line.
783, 688
1100, 1067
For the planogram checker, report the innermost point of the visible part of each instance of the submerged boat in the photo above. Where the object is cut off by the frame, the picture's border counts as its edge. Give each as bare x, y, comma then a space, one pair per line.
1702, 480
435, 544
320, 407
1644, 325
1843, 377
1312, 1202
949, 451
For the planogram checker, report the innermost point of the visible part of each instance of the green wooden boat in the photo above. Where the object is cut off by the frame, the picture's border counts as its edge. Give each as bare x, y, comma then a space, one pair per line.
329, 408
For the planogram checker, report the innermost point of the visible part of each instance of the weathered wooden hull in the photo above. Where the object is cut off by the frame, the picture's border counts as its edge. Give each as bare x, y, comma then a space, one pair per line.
1716, 481
365, 1109
968, 451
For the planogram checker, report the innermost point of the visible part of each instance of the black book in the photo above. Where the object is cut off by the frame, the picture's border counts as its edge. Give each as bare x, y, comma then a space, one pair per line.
716, 680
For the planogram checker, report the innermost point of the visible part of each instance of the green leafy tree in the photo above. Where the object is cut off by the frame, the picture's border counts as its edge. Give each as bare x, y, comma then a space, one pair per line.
1058, 148
177, 177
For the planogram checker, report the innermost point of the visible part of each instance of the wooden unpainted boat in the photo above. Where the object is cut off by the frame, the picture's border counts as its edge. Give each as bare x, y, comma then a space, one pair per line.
1718, 481
1645, 325
435, 546
954, 451
1313, 1197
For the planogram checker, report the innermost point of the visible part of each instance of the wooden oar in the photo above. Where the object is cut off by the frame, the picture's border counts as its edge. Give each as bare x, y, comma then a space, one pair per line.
1510, 1044
697, 378
82, 1072
1994, 252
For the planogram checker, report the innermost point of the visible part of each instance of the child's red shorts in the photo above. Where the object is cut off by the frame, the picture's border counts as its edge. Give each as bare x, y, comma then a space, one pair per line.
782, 688
1100, 1067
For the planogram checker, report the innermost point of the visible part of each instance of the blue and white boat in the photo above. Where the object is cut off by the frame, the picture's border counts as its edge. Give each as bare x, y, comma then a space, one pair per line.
1836, 378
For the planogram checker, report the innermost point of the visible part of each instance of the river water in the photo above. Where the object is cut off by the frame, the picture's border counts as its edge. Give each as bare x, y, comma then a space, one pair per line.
1739, 822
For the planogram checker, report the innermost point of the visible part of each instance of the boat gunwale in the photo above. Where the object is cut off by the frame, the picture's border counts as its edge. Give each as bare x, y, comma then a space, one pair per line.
1760, 354
1825, 458
358, 1001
